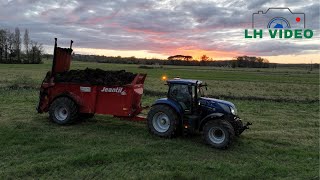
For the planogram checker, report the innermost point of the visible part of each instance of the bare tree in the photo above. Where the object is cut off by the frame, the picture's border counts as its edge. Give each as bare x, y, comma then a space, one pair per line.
11, 46
32, 51
17, 43
26, 42
204, 58
3, 37
36, 52
39, 53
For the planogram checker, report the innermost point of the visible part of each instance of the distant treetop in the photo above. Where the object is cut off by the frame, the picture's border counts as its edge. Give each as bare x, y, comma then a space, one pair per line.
180, 57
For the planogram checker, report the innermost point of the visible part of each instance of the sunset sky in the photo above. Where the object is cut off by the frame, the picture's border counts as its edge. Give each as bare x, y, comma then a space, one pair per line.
161, 28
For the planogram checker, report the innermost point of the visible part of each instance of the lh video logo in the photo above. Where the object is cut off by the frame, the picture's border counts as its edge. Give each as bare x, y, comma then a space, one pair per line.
279, 18
280, 23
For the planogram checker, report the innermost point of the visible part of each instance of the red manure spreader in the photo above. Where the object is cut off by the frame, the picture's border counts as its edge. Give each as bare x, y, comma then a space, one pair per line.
67, 99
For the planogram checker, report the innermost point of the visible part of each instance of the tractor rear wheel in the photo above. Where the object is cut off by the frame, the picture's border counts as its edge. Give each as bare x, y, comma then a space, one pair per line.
218, 133
163, 121
63, 111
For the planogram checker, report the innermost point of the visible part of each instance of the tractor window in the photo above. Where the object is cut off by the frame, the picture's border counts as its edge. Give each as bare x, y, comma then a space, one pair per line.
193, 92
182, 94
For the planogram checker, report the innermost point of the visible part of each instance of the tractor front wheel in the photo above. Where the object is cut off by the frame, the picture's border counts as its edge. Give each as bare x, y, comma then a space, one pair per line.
63, 111
163, 121
218, 133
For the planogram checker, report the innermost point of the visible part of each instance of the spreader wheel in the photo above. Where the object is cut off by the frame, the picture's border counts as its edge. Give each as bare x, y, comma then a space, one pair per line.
218, 133
63, 111
163, 121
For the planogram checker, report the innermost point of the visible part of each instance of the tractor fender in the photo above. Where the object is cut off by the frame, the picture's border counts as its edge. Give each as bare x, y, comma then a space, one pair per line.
212, 116
176, 106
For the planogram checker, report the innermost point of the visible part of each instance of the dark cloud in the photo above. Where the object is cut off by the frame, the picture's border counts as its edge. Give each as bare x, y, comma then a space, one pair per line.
312, 12
257, 3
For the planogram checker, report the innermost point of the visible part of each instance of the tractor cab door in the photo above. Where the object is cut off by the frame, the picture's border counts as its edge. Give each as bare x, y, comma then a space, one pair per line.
182, 94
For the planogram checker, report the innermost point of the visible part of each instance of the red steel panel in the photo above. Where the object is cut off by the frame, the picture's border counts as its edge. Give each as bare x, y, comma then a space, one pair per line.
62, 59
114, 100
121, 100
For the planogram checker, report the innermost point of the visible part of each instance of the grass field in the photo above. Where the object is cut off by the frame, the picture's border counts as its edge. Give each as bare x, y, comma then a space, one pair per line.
283, 143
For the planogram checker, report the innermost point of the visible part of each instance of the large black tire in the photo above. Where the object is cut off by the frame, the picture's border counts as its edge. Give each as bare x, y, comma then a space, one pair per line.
63, 111
163, 121
218, 133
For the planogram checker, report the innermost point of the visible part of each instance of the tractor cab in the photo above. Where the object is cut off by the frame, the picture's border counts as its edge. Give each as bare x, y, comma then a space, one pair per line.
186, 93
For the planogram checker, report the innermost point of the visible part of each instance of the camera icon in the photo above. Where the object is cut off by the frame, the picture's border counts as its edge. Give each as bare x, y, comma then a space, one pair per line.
278, 18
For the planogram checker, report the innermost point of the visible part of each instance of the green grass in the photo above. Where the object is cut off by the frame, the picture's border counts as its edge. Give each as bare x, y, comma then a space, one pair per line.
283, 142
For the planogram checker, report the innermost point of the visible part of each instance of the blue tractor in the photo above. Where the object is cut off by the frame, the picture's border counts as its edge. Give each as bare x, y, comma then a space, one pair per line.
187, 110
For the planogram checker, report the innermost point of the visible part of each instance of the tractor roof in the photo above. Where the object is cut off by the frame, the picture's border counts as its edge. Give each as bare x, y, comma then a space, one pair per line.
184, 81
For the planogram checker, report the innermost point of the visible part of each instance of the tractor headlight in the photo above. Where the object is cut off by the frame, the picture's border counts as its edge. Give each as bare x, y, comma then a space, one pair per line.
233, 110
228, 109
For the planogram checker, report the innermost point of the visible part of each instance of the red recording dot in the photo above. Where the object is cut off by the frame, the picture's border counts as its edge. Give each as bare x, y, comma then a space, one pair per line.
298, 19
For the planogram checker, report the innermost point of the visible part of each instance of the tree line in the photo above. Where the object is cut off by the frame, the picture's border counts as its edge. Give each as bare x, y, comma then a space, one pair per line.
11, 51
250, 62
240, 61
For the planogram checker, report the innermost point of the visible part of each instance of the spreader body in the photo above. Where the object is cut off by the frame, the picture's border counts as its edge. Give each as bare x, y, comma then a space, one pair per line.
117, 100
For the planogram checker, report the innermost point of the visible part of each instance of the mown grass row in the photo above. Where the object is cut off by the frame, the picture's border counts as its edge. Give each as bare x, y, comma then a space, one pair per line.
148, 92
